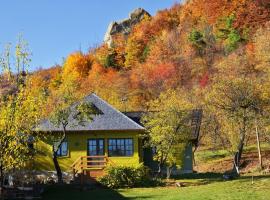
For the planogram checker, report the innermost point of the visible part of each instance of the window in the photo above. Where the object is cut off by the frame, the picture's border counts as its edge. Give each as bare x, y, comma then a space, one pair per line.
95, 147
120, 147
63, 149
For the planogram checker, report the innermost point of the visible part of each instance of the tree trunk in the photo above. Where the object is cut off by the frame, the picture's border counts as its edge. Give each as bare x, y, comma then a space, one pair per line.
193, 154
193, 158
1, 181
259, 146
238, 154
169, 171
57, 167
1, 176
159, 172
55, 160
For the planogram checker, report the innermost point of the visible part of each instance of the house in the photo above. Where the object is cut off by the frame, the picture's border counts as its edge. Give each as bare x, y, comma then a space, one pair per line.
112, 136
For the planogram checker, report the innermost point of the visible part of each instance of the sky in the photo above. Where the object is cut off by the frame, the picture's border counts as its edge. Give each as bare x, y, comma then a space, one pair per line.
55, 28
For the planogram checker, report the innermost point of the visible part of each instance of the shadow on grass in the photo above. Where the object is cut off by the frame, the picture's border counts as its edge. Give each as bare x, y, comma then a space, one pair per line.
208, 176
250, 177
71, 192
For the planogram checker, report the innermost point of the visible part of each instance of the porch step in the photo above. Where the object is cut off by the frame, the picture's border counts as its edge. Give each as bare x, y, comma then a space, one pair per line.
88, 177
95, 173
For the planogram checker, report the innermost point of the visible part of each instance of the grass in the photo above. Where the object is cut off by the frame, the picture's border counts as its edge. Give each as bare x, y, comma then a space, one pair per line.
253, 147
214, 188
210, 155
214, 155
231, 190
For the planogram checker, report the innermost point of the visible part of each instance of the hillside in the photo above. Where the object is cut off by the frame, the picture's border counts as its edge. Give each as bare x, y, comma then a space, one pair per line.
179, 47
220, 161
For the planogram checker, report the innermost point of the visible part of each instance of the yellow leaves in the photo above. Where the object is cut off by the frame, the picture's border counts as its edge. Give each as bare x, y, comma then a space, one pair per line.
134, 50
78, 65
19, 114
168, 125
171, 100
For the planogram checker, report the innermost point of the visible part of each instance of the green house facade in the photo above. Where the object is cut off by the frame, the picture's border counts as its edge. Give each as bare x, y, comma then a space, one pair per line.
111, 137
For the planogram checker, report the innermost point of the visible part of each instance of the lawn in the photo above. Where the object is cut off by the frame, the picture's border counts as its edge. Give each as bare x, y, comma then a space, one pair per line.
211, 189
211, 155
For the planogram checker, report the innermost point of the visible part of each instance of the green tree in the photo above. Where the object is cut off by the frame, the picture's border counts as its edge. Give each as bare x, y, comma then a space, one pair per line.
197, 39
168, 130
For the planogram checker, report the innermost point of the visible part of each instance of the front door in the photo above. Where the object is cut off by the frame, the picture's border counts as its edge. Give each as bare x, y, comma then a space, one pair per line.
95, 148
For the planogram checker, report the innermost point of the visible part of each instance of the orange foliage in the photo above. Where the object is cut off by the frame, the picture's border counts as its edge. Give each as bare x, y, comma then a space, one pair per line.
252, 14
146, 31
47, 79
209, 10
77, 64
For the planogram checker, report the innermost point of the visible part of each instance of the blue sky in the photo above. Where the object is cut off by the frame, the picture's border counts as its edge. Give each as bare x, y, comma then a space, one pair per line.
55, 28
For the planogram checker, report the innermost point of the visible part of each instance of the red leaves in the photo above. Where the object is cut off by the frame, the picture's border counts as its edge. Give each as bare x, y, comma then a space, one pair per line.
204, 80
161, 73
154, 77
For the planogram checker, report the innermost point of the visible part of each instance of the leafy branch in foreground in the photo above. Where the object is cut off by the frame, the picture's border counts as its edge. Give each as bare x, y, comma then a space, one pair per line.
20, 107
67, 113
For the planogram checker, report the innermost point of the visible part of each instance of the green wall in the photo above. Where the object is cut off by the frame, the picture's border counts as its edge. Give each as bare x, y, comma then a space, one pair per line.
77, 144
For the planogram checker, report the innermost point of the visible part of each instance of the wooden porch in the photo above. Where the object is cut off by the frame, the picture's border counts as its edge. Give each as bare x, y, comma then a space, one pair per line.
88, 168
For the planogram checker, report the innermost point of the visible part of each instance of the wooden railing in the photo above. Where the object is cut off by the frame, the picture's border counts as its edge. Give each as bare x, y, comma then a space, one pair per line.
89, 162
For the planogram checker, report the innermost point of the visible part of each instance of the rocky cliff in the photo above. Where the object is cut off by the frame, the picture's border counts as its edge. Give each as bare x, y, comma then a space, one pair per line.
124, 26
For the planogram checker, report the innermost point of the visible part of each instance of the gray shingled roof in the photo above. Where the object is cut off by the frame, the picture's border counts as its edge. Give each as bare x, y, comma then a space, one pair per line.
109, 119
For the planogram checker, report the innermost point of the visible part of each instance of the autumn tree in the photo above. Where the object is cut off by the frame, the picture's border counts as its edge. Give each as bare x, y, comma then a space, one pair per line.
235, 103
20, 107
66, 112
78, 64
168, 131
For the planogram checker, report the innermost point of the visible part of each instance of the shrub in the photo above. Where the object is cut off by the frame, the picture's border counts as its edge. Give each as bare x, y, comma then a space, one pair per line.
124, 176
197, 38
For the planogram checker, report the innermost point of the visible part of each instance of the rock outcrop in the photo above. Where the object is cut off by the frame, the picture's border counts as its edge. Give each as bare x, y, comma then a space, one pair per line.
124, 26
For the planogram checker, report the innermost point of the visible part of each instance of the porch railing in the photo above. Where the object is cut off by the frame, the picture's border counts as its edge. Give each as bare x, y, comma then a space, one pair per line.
84, 163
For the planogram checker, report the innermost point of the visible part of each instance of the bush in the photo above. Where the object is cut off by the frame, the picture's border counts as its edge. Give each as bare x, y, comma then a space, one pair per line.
197, 38
124, 176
